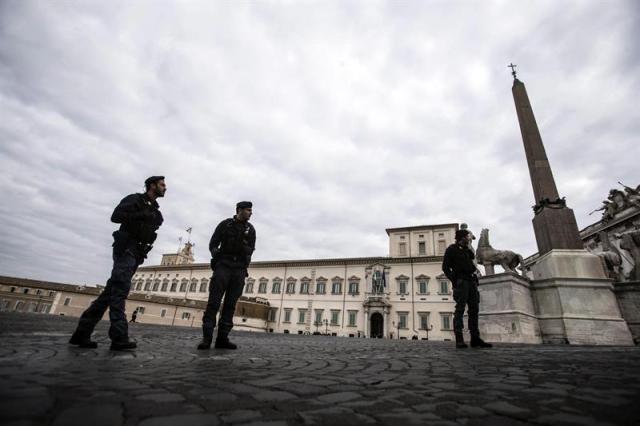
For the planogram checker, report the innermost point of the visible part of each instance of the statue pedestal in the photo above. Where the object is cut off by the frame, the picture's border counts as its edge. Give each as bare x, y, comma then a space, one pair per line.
628, 294
507, 313
575, 302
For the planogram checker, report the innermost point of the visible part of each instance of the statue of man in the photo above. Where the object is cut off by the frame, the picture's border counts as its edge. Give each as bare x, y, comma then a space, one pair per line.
630, 241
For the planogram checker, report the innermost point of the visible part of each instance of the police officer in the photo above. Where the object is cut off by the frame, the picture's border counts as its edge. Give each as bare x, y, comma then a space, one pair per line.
459, 267
139, 218
231, 247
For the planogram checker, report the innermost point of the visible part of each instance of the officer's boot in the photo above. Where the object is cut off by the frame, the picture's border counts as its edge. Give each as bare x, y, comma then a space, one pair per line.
460, 344
477, 342
125, 344
205, 343
222, 342
82, 340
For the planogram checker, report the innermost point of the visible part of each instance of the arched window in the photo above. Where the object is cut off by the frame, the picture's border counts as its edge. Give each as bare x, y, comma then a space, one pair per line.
204, 284
248, 288
275, 288
291, 285
174, 285
156, 284
183, 285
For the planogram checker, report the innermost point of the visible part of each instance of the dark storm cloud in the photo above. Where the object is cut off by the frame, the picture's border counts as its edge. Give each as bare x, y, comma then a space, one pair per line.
338, 120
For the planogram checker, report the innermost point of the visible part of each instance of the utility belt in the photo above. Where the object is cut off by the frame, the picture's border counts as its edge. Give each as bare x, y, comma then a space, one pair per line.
122, 242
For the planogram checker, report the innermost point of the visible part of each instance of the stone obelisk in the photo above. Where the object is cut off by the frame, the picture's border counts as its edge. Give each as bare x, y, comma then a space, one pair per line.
573, 298
554, 223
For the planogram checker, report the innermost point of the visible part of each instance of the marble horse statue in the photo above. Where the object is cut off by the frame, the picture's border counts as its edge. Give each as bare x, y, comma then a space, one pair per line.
488, 256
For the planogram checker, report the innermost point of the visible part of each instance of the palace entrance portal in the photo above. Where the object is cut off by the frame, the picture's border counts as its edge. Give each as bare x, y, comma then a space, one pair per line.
377, 325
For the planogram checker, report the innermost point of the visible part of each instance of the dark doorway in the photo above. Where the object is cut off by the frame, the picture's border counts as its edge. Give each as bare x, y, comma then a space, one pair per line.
377, 323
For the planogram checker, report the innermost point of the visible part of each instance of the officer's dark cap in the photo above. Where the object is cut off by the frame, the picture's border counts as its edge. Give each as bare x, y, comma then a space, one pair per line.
461, 233
152, 179
244, 205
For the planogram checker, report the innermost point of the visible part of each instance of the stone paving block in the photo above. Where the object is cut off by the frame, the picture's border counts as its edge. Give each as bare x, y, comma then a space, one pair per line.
507, 409
94, 415
182, 420
334, 398
334, 416
161, 397
273, 395
240, 416
25, 407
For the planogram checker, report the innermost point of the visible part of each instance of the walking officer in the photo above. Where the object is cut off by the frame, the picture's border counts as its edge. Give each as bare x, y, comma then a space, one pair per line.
139, 218
231, 247
459, 267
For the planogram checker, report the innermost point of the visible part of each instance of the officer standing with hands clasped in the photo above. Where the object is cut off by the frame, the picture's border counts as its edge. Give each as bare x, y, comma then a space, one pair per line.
459, 267
231, 247
139, 218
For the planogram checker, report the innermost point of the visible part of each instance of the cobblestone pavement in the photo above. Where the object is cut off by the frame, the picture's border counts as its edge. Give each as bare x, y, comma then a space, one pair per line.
296, 380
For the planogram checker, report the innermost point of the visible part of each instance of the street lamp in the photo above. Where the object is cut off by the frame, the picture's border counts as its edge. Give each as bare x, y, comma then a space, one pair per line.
427, 330
326, 327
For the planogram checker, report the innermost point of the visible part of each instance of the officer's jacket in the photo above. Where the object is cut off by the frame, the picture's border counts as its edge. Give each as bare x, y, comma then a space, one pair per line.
233, 243
139, 217
458, 262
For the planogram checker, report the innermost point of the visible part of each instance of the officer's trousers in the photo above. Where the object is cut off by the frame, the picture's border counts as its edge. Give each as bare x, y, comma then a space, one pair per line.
227, 282
465, 292
113, 297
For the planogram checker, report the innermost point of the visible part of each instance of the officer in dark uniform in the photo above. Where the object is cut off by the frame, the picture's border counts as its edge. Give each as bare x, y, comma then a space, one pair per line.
139, 218
231, 247
458, 266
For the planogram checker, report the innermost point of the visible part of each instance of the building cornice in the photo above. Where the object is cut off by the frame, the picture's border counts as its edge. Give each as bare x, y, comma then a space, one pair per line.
422, 227
365, 261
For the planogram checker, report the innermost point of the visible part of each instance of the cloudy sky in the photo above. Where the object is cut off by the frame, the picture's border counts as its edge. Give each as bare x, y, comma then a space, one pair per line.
337, 119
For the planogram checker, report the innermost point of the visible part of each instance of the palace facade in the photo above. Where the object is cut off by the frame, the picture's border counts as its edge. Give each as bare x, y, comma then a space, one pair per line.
402, 295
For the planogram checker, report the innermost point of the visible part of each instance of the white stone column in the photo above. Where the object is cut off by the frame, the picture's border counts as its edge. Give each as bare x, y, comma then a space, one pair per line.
366, 323
386, 323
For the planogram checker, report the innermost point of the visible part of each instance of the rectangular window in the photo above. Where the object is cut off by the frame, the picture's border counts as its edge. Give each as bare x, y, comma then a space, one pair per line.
403, 249
13, 289
45, 308
147, 286
402, 287
163, 313
446, 321
424, 320
353, 287
272, 314
304, 287
422, 248
353, 315
336, 288
248, 288
25, 291
320, 287
335, 317
442, 246
140, 309
302, 316
262, 288
275, 288
203, 286
67, 300
193, 286
444, 287
164, 286
423, 286
287, 315
291, 288
32, 307
402, 319
319, 313
186, 315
